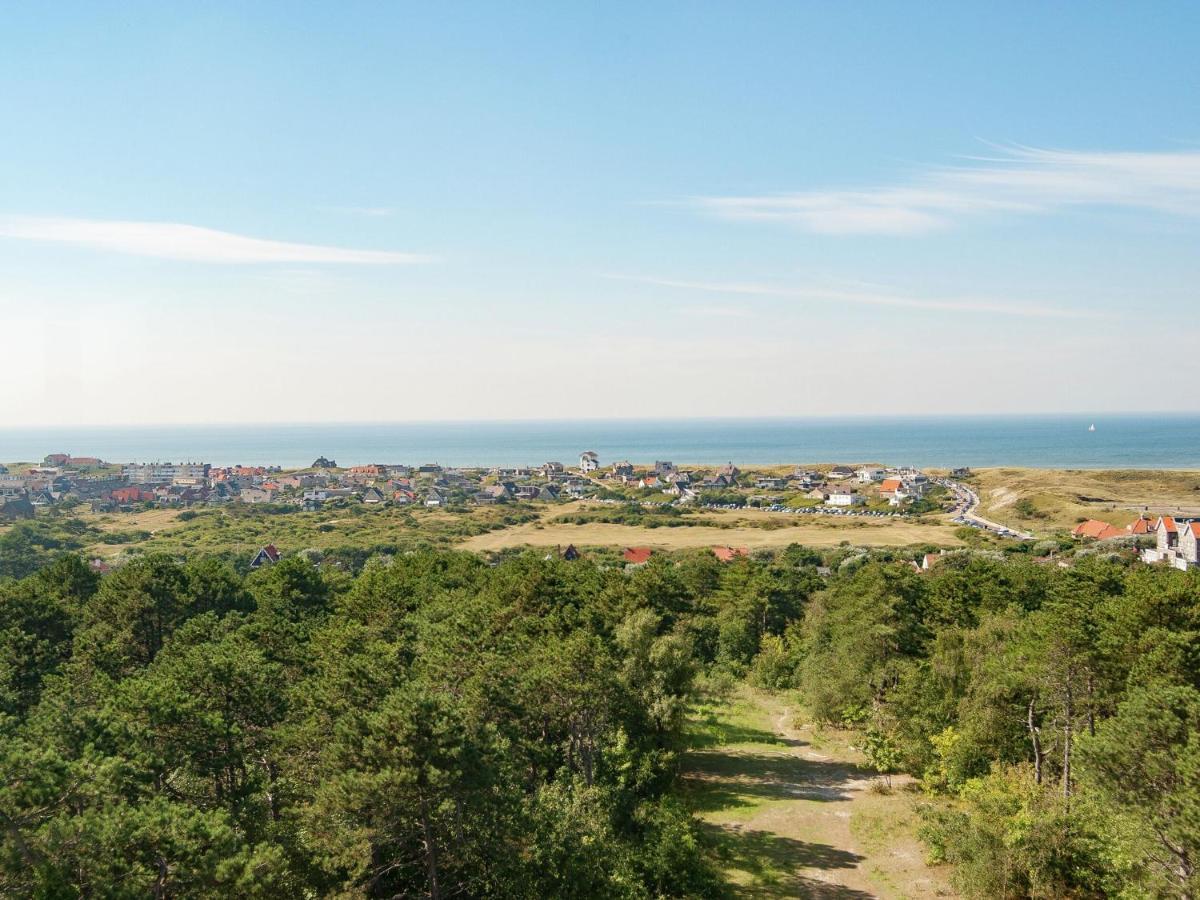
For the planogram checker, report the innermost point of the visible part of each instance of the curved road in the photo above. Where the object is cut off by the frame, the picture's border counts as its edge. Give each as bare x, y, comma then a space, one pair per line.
968, 502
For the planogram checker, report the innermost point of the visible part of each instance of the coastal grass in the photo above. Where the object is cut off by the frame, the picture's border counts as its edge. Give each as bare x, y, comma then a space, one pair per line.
239, 530
1047, 500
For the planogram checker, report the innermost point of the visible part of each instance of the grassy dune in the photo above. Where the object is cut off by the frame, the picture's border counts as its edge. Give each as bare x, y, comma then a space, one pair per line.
1043, 500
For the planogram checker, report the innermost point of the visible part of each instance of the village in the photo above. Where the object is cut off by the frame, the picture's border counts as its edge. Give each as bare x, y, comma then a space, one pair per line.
862, 492
106, 487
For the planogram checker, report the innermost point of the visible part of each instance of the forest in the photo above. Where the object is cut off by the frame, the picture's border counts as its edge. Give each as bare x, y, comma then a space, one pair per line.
444, 724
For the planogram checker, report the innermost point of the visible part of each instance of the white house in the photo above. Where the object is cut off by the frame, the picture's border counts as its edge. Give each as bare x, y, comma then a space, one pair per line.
589, 461
844, 496
869, 474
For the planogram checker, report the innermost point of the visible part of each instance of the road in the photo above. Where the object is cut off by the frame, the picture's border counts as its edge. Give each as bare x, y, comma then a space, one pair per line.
968, 502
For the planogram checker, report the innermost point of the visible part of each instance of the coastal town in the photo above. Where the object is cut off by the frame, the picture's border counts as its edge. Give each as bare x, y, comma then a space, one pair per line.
870, 490
860, 492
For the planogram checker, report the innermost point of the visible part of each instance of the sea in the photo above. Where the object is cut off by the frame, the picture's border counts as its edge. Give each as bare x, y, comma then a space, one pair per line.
1143, 441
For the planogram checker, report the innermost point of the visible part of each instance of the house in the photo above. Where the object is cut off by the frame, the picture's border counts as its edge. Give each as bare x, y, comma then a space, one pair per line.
257, 495
637, 556
680, 489
588, 461
267, 556
1177, 543
1166, 534
730, 471
841, 472
889, 486
729, 554
622, 470
500, 493
869, 474
1189, 546
403, 497
1140, 525
570, 553
844, 496
648, 481
126, 495
960, 472
372, 495
550, 469
548, 493
373, 469
435, 498
663, 467
908, 490
1095, 530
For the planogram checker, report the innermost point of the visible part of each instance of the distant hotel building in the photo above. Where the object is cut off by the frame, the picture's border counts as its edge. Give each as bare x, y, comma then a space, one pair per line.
166, 473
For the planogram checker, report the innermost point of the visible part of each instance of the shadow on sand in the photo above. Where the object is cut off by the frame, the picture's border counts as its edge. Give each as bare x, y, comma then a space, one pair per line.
722, 781
771, 862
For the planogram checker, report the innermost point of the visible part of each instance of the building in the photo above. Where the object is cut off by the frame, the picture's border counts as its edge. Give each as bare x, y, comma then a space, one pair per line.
637, 556
869, 474
622, 470
267, 556
1177, 543
166, 473
844, 496
588, 461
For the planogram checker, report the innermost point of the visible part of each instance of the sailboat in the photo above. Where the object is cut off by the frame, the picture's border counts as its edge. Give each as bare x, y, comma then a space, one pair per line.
1092, 427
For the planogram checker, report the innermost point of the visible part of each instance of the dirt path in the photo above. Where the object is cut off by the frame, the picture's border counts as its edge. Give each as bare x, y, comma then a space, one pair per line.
793, 813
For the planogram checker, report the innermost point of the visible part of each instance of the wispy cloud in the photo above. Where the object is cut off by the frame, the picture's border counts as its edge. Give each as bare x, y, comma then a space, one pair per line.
1021, 180
873, 297
168, 240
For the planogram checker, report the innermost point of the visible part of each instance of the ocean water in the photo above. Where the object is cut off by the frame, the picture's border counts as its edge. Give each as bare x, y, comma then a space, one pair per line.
1119, 441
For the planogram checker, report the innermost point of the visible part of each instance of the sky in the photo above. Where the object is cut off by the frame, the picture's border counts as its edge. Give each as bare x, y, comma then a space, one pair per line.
269, 212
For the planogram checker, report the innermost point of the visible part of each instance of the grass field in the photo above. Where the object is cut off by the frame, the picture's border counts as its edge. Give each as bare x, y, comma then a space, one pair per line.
1042, 500
734, 528
790, 809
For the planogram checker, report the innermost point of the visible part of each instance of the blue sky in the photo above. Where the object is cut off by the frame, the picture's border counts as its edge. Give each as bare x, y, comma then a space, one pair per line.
312, 212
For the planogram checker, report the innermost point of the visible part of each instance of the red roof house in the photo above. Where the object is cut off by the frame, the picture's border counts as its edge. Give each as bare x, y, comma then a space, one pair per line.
1096, 529
637, 556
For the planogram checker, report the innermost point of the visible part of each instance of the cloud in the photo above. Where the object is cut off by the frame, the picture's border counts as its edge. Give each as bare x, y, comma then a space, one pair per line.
167, 240
1023, 180
869, 298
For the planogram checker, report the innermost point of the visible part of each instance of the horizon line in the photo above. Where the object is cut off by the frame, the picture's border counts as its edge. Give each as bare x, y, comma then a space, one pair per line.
355, 423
